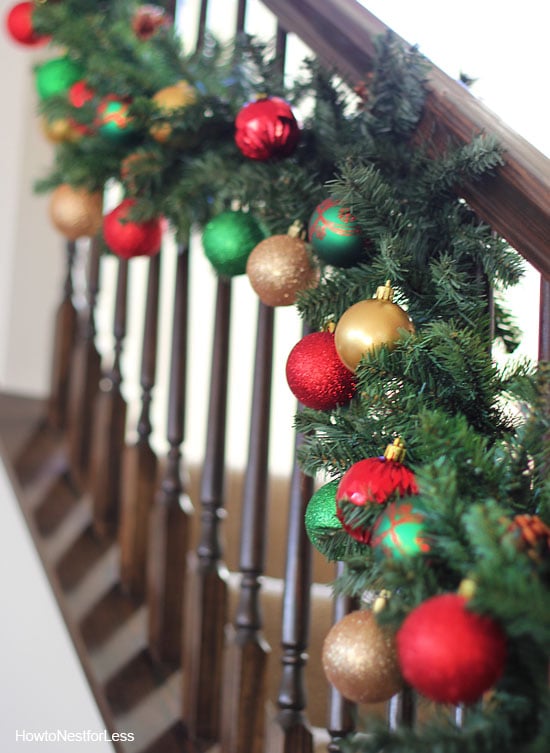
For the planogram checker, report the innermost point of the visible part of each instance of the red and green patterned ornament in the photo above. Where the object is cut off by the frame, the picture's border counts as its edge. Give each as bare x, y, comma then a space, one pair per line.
55, 77
374, 481
113, 121
399, 532
266, 129
335, 235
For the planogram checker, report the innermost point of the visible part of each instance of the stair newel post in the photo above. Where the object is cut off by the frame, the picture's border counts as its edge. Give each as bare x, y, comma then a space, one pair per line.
340, 710
244, 680
110, 424
64, 340
207, 590
85, 376
291, 730
169, 525
139, 469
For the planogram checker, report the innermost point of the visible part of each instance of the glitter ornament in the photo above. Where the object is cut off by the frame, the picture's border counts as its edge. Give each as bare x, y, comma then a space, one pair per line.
399, 532
372, 482
113, 121
315, 374
531, 535
127, 238
169, 100
56, 76
266, 129
320, 519
359, 658
60, 130
20, 26
368, 325
75, 212
335, 235
80, 95
448, 653
148, 20
279, 267
228, 240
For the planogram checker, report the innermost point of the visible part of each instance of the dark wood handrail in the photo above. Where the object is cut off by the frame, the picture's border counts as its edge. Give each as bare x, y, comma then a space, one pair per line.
515, 201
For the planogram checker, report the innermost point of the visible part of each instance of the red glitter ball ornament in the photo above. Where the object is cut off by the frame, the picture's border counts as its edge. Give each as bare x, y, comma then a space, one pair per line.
266, 129
20, 27
448, 653
128, 239
79, 95
374, 481
316, 375
148, 19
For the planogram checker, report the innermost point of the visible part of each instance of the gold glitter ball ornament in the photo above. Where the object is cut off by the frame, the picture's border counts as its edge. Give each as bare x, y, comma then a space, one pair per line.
360, 659
60, 131
169, 100
76, 212
279, 267
368, 325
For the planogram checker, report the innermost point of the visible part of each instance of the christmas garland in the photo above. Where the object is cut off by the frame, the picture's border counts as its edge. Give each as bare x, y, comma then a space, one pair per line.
444, 539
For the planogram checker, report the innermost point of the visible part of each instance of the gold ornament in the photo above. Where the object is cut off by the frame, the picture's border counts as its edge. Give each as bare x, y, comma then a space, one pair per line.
368, 325
59, 131
76, 212
168, 100
280, 266
360, 659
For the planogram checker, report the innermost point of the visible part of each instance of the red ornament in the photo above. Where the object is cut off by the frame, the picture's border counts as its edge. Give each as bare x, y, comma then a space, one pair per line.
20, 28
79, 95
148, 19
266, 129
374, 481
448, 653
316, 375
128, 239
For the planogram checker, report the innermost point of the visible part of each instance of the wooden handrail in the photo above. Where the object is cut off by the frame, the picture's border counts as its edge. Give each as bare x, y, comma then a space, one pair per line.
515, 201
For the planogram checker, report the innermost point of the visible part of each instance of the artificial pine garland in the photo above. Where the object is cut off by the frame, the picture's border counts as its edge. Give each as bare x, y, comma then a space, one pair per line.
476, 437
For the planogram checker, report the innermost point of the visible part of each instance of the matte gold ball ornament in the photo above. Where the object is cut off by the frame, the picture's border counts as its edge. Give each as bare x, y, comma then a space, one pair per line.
75, 212
280, 266
60, 131
369, 324
360, 659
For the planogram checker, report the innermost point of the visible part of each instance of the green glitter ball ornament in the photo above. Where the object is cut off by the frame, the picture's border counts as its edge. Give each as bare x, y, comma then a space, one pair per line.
399, 532
228, 240
55, 77
335, 235
325, 531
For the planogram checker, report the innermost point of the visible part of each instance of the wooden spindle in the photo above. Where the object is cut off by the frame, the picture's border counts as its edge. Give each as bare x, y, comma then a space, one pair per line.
207, 591
402, 709
139, 469
291, 730
170, 518
110, 425
85, 376
244, 681
544, 320
64, 340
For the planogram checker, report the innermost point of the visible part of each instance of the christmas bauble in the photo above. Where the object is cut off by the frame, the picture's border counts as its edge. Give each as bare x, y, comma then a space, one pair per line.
315, 374
360, 659
399, 532
113, 121
76, 212
19, 25
60, 130
266, 129
335, 235
448, 653
372, 482
320, 519
531, 535
127, 238
168, 100
368, 325
279, 267
228, 240
148, 19
80, 94
56, 76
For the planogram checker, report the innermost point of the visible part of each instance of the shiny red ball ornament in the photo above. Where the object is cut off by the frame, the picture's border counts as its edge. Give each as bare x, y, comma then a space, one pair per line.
448, 653
316, 375
148, 19
374, 481
126, 238
266, 129
79, 95
20, 27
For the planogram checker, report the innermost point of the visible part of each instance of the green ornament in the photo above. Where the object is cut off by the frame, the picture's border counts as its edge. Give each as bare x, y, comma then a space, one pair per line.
335, 235
325, 531
399, 532
228, 240
56, 76
114, 122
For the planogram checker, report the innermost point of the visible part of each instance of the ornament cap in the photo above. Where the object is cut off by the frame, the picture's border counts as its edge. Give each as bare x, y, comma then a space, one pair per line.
384, 292
381, 601
297, 230
396, 451
467, 588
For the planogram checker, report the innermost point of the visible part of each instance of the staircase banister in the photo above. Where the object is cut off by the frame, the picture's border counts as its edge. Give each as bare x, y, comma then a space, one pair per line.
515, 200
